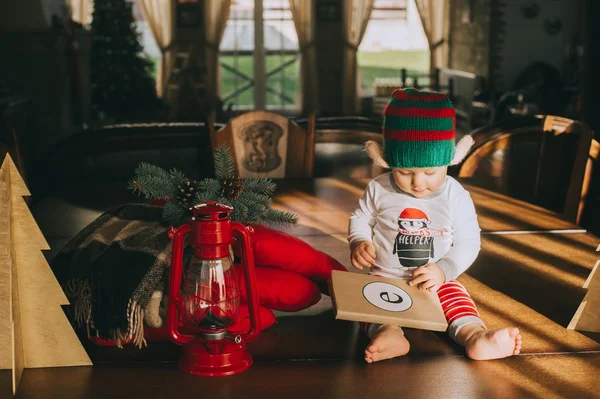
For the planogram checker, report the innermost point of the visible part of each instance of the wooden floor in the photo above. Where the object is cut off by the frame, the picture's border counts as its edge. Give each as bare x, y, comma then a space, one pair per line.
530, 280
541, 376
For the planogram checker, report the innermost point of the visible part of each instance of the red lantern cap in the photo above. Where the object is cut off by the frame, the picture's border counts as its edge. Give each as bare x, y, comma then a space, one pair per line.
211, 210
211, 230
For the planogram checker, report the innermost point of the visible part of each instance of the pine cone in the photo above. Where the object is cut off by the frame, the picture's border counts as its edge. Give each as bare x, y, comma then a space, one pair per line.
232, 187
186, 191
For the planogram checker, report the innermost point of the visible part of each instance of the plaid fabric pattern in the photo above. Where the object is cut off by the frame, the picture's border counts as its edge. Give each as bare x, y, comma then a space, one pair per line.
418, 129
111, 268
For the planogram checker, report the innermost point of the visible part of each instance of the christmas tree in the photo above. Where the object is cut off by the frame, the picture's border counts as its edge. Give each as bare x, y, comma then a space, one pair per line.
123, 88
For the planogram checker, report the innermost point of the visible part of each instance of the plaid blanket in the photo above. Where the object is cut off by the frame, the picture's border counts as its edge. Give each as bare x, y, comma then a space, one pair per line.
110, 270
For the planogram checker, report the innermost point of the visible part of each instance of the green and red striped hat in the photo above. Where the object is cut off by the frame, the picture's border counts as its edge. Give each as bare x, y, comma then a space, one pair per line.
418, 129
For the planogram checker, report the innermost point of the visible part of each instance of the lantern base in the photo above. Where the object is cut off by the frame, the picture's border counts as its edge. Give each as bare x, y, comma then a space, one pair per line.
214, 358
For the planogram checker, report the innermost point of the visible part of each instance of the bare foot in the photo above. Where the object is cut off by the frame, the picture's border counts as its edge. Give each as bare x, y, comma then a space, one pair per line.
389, 342
482, 344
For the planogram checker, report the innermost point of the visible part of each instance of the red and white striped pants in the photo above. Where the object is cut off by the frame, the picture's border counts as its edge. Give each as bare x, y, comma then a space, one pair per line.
457, 305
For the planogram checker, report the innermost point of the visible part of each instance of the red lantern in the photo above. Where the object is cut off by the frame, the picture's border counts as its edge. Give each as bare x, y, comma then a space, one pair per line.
206, 301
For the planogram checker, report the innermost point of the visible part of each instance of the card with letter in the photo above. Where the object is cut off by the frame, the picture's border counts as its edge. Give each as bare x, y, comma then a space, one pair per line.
373, 299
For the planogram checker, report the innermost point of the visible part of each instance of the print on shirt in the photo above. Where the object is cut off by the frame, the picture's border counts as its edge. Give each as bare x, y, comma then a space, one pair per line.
414, 242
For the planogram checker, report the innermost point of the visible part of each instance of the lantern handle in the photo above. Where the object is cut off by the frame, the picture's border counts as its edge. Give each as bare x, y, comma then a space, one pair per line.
251, 292
175, 301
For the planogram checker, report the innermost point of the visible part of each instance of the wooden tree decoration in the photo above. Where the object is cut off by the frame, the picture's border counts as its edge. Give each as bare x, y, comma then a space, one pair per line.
34, 331
587, 316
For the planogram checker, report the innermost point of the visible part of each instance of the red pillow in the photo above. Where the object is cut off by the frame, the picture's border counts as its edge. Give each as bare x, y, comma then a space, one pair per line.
158, 202
274, 248
281, 289
242, 325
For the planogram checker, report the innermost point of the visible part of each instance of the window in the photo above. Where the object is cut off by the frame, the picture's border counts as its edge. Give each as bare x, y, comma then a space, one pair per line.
151, 49
395, 10
259, 56
394, 40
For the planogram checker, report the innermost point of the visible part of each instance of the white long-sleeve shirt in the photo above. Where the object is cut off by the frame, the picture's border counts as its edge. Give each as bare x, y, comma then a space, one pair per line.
408, 232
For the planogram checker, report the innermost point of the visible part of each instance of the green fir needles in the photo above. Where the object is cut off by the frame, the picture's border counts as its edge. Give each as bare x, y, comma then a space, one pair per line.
250, 198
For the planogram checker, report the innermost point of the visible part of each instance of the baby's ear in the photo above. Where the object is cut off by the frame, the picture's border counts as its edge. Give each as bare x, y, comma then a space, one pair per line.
462, 149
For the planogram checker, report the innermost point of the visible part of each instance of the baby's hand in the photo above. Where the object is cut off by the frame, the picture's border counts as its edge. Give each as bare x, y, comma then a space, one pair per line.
363, 255
428, 277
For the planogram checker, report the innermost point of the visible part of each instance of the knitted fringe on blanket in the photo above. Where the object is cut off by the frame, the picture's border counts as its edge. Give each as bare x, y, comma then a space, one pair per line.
79, 294
111, 269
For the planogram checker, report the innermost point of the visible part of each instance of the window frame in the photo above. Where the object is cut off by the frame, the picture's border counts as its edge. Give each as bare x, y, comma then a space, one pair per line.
259, 80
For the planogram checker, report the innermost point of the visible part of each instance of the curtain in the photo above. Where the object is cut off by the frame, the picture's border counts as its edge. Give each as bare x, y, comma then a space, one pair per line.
356, 15
302, 14
435, 16
216, 13
81, 11
160, 15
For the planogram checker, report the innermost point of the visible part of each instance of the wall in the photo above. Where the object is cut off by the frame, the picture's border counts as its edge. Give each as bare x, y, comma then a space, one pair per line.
329, 49
498, 42
38, 66
22, 15
526, 40
29, 14
469, 36
53, 7
591, 100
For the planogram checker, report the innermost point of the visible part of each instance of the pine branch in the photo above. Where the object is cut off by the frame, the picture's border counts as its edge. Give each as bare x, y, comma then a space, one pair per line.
256, 211
175, 214
152, 187
224, 201
240, 213
146, 169
211, 187
136, 188
254, 197
251, 201
274, 217
177, 176
260, 185
203, 196
223, 163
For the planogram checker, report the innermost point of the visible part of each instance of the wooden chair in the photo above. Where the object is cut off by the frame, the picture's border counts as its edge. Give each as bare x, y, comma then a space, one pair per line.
590, 194
265, 144
548, 163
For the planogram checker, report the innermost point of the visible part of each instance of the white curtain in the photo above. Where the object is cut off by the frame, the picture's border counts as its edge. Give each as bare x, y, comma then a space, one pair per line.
302, 14
216, 13
356, 15
435, 16
81, 11
160, 15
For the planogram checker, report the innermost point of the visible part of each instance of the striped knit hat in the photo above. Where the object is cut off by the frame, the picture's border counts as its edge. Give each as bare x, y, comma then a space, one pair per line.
418, 131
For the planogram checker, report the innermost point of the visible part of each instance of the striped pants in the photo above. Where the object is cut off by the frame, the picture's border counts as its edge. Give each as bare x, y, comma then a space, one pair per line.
457, 305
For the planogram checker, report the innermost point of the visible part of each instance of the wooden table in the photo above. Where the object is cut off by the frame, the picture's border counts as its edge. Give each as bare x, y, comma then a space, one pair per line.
532, 281
325, 205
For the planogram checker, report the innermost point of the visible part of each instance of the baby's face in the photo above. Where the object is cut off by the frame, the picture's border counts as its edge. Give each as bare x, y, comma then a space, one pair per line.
411, 225
420, 182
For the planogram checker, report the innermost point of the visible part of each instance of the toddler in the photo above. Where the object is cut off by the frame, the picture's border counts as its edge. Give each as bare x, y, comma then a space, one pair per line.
419, 224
